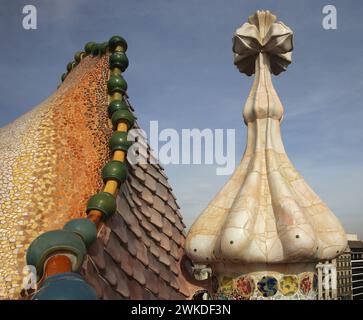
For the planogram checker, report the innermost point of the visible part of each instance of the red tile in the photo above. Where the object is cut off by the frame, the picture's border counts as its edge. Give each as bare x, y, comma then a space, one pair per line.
153, 263
136, 290
150, 183
164, 258
167, 227
162, 191
122, 284
113, 248
159, 205
156, 218
169, 214
96, 251
165, 242
138, 273
147, 196
142, 254
118, 227
139, 174
164, 291
126, 262
152, 281
132, 243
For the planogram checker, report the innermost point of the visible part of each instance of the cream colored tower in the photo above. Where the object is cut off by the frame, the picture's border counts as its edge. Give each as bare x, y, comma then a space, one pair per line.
265, 230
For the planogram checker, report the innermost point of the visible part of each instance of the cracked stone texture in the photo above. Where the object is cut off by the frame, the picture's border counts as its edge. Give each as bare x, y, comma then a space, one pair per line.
266, 213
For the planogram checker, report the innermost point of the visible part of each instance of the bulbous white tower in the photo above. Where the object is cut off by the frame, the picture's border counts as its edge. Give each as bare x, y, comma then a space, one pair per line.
265, 230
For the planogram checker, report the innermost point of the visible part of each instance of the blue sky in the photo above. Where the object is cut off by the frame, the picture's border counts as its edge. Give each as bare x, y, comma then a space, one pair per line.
181, 73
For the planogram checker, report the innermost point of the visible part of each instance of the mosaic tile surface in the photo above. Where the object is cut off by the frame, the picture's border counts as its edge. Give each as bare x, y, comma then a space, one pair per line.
306, 283
245, 286
289, 285
266, 286
50, 165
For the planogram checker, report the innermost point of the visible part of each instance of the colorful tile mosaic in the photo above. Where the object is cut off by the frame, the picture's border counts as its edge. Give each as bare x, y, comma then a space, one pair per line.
51, 164
306, 283
245, 286
236, 295
66, 136
222, 296
288, 285
226, 285
266, 286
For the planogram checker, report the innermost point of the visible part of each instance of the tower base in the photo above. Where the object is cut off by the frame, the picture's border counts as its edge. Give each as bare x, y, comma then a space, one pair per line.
267, 282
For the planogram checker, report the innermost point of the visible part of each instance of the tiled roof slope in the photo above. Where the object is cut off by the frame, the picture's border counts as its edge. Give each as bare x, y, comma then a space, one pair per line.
50, 165
52, 159
139, 252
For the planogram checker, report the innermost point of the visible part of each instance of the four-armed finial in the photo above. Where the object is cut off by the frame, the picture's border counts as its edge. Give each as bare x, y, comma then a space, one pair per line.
262, 34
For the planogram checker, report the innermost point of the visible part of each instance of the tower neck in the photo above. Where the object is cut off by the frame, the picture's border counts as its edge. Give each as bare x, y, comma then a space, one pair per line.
263, 101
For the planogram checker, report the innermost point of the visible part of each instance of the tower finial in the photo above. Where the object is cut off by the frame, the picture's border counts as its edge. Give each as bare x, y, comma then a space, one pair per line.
262, 34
